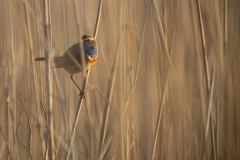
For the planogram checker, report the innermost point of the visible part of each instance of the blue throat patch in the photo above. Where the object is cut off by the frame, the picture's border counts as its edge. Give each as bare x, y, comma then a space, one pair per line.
88, 48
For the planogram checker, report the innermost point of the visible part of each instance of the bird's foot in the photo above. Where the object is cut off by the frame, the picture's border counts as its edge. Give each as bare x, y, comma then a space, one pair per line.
82, 94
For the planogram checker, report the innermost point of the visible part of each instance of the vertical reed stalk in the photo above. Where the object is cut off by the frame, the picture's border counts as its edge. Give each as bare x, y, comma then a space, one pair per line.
203, 45
108, 100
156, 135
139, 57
225, 27
30, 40
75, 6
103, 129
5, 139
209, 105
48, 80
84, 86
12, 91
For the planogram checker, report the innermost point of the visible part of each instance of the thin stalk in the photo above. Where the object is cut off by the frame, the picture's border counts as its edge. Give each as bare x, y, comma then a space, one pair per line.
217, 126
12, 90
29, 126
5, 139
206, 71
83, 87
2, 150
108, 100
139, 57
209, 114
75, 5
136, 74
77, 115
213, 137
209, 106
203, 45
225, 27
98, 19
48, 55
36, 86
159, 120
105, 64
30, 41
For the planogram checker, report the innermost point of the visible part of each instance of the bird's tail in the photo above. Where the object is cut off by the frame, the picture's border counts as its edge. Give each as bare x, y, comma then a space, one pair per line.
40, 59
59, 62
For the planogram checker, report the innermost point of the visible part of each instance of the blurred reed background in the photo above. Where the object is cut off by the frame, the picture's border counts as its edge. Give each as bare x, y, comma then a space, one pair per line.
176, 94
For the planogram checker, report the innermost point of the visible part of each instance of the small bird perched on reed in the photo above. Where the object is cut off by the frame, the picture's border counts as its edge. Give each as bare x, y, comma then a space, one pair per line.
73, 61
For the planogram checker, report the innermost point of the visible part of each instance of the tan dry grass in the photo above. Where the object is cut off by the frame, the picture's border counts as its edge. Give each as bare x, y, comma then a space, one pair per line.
151, 127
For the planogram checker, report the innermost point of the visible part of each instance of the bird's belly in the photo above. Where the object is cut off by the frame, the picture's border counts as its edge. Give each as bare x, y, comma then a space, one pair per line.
73, 69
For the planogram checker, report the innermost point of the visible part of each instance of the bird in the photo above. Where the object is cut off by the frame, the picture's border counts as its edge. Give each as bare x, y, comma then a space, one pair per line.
73, 61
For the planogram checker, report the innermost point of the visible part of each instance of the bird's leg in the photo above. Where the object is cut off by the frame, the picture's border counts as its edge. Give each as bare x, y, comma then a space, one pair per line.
71, 77
82, 94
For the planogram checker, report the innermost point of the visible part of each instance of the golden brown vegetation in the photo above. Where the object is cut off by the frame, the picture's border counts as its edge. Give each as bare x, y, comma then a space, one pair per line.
173, 91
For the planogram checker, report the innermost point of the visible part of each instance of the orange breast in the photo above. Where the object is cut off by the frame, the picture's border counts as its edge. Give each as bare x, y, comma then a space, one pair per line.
92, 61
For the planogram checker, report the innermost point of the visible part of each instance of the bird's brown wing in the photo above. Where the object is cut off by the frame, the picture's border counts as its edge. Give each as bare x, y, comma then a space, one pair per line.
71, 60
